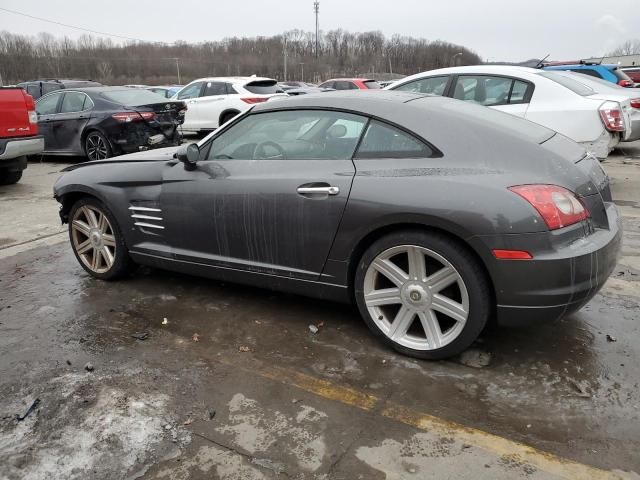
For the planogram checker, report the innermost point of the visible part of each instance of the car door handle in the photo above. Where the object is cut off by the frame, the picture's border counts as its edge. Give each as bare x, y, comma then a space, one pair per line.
319, 190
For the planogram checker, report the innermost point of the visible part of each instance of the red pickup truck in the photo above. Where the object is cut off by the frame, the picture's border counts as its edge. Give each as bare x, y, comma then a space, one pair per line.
18, 133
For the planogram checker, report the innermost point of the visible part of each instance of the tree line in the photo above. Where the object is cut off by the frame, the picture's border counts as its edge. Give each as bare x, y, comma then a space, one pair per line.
339, 53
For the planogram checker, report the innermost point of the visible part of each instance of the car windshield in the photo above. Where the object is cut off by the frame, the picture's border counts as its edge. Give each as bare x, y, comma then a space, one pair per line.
133, 97
571, 84
263, 87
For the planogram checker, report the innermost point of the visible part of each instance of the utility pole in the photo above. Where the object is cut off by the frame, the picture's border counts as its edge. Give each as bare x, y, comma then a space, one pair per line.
302, 68
284, 54
178, 69
316, 9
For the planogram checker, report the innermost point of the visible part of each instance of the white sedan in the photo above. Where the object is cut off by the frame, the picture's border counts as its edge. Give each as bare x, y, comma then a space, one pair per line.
596, 120
215, 100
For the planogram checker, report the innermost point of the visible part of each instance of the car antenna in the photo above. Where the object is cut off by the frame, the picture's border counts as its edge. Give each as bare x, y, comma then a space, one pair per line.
541, 62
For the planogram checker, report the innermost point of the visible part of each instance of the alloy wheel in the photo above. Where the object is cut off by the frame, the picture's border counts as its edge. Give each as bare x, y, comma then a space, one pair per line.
96, 147
93, 239
416, 297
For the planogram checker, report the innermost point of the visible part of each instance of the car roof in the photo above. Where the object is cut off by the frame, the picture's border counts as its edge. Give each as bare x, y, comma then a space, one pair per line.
349, 80
232, 79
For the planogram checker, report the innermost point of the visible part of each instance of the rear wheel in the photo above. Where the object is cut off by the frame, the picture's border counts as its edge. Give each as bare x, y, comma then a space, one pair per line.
97, 241
226, 117
423, 294
9, 178
96, 146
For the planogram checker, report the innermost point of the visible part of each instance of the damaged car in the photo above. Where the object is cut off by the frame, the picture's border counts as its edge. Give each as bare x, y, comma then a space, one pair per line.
103, 122
432, 215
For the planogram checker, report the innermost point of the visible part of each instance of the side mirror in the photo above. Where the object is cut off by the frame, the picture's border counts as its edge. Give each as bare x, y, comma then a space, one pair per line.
189, 155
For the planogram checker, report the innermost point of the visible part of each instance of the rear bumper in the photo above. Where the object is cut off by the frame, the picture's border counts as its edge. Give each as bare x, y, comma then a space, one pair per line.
20, 147
559, 280
635, 127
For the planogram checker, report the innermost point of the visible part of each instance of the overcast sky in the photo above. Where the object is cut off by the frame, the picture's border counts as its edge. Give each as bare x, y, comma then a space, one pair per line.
495, 29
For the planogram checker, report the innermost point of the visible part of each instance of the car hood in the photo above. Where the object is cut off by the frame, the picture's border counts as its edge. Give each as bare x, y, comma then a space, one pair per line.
155, 155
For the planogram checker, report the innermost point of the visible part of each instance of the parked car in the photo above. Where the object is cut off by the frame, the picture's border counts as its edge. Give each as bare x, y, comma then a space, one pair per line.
38, 88
432, 215
102, 122
18, 133
633, 73
166, 92
136, 86
306, 90
605, 87
597, 121
285, 86
609, 72
214, 101
350, 84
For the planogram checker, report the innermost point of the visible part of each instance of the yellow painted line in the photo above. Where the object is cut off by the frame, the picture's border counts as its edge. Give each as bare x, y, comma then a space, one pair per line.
494, 444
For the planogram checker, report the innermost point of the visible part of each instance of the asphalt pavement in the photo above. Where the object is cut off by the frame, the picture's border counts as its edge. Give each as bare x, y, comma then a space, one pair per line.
166, 376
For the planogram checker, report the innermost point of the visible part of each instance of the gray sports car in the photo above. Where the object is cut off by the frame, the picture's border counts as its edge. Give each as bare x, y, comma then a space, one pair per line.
432, 215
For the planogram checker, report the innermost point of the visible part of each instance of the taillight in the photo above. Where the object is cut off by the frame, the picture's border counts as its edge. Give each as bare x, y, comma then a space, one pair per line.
612, 117
625, 83
31, 108
557, 206
252, 100
33, 117
126, 117
635, 103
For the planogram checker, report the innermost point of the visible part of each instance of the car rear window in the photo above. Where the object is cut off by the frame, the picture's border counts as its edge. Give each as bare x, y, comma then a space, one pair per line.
504, 121
132, 96
372, 84
263, 87
569, 83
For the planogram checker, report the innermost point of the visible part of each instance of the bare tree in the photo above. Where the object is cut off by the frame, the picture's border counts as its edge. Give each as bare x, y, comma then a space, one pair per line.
630, 47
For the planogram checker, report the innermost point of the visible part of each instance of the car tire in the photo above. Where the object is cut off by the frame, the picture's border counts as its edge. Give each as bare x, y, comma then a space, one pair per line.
438, 316
9, 178
96, 146
97, 241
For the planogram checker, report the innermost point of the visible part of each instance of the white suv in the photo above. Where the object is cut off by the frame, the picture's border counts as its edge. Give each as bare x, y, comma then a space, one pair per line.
215, 100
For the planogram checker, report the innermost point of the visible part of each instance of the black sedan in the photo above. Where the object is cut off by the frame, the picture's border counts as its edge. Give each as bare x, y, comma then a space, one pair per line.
431, 214
102, 122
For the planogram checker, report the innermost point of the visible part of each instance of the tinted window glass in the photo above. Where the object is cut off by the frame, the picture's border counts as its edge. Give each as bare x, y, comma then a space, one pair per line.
518, 92
50, 87
33, 90
263, 87
214, 88
132, 97
484, 90
344, 85
385, 141
290, 135
372, 84
590, 72
190, 91
74, 102
571, 84
47, 105
327, 85
432, 85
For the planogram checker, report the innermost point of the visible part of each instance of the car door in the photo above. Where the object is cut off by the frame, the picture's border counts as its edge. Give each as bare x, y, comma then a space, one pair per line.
191, 96
267, 195
47, 108
212, 102
73, 116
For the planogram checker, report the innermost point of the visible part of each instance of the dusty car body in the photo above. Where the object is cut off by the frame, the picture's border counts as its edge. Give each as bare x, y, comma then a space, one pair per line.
412, 206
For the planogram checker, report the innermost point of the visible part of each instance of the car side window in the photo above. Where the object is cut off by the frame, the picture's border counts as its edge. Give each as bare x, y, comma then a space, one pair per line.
47, 105
75, 102
483, 89
342, 85
432, 85
384, 141
231, 90
518, 92
190, 91
213, 89
290, 135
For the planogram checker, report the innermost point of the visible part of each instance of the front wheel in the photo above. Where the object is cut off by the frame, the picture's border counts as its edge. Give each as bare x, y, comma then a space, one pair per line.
425, 295
97, 241
9, 178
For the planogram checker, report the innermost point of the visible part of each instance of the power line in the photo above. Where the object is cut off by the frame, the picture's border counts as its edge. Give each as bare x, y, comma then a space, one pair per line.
77, 28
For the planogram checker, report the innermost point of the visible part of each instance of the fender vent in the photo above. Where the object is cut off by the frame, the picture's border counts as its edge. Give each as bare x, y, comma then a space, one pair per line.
147, 217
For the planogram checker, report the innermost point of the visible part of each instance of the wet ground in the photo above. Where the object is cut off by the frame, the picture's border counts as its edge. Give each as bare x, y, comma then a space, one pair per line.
228, 382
